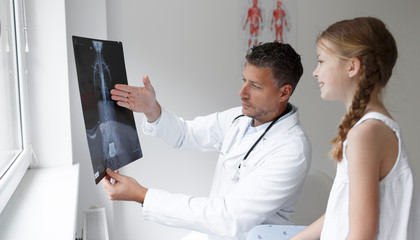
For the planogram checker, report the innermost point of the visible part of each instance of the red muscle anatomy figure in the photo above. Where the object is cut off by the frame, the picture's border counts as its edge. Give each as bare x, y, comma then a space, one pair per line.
279, 19
255, 20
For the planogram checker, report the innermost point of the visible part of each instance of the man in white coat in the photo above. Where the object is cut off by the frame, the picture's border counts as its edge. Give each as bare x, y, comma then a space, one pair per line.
264, 153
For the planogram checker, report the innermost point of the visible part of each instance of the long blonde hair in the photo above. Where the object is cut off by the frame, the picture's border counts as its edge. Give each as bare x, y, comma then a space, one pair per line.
367, 39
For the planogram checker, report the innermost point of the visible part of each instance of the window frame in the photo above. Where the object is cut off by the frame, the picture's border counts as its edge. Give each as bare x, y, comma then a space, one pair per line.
17, 169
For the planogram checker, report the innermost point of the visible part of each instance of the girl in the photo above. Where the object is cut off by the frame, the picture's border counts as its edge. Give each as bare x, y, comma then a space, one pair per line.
374, 195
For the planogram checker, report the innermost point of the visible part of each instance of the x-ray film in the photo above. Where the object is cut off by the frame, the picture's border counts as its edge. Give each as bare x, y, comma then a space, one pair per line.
110, 129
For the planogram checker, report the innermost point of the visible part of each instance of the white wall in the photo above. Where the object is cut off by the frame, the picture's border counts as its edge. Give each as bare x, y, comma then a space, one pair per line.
47, 84
189, 50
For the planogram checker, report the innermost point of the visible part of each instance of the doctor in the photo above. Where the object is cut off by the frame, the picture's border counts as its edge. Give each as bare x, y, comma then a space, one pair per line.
264, 152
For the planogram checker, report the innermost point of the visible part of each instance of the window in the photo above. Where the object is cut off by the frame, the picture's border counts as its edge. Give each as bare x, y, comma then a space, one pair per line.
15, 150
10, 125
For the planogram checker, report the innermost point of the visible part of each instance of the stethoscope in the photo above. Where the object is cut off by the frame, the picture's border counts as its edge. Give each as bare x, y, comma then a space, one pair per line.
286, 111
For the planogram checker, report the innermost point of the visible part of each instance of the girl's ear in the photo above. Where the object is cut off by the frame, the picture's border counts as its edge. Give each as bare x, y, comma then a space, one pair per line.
354, 67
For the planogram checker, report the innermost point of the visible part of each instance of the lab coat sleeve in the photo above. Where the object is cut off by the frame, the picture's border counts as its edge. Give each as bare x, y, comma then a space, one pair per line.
201, 134
261, 193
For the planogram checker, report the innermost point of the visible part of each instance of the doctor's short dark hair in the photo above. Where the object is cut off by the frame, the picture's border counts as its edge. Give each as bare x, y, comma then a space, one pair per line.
281, 58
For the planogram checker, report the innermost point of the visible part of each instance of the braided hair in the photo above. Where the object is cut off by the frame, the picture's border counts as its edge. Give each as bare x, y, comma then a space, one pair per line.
367, 39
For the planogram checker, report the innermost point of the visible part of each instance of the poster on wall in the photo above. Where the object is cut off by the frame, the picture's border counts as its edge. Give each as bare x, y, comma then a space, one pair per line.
267, 21
110, 129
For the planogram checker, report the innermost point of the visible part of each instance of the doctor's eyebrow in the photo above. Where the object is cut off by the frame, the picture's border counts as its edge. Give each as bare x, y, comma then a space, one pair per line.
252, 81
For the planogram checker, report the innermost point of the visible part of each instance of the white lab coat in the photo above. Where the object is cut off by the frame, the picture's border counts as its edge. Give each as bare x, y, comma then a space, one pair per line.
263, 191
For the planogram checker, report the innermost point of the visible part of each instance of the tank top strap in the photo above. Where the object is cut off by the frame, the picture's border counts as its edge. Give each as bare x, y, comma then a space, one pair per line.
381, 117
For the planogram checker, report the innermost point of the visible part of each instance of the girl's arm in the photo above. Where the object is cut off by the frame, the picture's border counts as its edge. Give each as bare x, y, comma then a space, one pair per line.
312, 232
365, 152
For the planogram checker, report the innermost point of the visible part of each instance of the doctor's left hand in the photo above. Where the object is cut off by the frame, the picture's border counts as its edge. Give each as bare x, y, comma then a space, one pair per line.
124, 188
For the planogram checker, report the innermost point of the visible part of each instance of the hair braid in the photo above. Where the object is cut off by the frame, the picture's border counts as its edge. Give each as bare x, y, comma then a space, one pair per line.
358, 107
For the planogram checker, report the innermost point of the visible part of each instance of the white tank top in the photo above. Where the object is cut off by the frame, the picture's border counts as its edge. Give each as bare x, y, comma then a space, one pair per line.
399, 196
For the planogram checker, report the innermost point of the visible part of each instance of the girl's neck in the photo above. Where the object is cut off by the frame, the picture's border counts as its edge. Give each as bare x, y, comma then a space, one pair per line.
375, 104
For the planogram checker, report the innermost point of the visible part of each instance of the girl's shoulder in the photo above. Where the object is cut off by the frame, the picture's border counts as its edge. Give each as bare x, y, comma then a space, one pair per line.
372, 137
364, 138
367, 129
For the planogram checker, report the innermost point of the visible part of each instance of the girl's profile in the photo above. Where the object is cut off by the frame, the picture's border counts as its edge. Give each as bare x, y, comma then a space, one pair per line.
374, 195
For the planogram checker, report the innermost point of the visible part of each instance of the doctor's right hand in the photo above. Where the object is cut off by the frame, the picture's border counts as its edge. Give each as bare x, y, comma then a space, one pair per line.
123, 187
138, 99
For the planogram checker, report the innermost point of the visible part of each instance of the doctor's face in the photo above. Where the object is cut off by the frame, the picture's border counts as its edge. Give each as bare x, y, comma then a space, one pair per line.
261, 99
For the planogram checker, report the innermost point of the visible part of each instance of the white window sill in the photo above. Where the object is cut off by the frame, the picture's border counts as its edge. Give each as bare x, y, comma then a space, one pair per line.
43, 206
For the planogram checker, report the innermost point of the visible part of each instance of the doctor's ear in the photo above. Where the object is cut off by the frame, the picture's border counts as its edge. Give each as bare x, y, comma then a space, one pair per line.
285, 92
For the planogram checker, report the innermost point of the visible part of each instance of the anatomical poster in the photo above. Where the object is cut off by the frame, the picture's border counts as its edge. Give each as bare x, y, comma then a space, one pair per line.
110, 129
267, 21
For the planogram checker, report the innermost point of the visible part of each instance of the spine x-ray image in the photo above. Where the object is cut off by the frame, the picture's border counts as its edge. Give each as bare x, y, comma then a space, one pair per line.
110, 130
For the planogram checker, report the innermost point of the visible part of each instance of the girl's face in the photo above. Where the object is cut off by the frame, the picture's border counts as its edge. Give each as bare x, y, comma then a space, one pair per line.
333, 76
